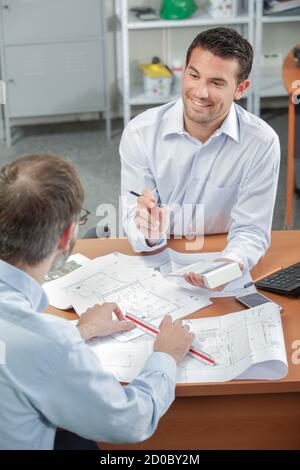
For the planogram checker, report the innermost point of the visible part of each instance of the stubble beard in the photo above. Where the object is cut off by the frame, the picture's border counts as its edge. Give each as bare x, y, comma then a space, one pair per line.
195, 117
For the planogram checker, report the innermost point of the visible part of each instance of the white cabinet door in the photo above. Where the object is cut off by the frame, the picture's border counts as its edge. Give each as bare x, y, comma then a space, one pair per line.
55, 78
32, 21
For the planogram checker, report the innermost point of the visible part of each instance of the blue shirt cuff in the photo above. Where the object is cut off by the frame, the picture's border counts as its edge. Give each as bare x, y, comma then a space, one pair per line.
163, 362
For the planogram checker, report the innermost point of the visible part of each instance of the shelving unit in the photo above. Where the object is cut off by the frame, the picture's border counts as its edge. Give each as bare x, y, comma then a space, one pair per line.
269, 78
53, 62
1, 118
133, 95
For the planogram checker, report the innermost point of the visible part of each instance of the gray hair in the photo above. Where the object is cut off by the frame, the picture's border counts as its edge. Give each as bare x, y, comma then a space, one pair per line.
40, 196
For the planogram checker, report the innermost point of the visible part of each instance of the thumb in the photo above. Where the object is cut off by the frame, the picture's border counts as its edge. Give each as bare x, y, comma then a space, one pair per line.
148, 194
164, 211
123, 325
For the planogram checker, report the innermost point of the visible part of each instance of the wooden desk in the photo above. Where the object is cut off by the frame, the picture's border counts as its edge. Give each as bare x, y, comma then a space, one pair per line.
290, 73
236, 414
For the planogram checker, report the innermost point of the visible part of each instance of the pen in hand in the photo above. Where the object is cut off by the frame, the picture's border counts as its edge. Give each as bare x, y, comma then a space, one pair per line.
134, 193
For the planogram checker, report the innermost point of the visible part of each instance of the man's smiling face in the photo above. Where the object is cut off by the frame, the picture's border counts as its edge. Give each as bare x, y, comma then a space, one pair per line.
210, 85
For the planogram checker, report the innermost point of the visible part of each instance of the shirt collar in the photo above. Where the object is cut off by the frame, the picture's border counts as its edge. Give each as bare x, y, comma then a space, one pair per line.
20, 281
174, 123
230, 126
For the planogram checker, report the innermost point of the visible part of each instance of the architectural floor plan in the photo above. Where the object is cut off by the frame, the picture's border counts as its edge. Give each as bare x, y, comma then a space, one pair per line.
245, 345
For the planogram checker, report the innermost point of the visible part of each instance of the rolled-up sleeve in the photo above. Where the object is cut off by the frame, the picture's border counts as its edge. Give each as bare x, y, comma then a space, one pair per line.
250, 231
82, 398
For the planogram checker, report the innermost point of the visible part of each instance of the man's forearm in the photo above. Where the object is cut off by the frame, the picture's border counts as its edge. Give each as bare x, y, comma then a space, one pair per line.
246, 248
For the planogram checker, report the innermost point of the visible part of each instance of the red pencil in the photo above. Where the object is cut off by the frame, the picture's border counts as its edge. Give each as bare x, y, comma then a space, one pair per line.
154, 330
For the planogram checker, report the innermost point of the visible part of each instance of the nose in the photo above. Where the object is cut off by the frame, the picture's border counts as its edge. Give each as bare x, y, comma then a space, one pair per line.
201, 92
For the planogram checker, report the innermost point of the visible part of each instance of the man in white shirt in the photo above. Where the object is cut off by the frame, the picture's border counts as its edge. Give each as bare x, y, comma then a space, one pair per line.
50, 377
203, 153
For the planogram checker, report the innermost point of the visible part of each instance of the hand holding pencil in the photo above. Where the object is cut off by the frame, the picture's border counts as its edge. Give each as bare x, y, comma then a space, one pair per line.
150, 218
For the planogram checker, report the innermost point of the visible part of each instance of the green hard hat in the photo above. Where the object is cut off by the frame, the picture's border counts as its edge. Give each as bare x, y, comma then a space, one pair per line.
177, 9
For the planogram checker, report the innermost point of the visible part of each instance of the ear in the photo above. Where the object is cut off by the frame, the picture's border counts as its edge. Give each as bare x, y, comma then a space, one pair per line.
242, 87
64, 241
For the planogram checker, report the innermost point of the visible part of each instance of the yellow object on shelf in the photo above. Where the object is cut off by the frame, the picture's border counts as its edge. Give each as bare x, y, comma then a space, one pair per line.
155, 70
157, 80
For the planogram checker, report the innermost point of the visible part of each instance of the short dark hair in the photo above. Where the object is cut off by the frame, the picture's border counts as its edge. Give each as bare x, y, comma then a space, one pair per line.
40, 195
225, 43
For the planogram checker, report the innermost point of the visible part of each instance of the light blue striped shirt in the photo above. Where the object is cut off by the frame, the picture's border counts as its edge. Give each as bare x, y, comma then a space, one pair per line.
50, 378
233, 176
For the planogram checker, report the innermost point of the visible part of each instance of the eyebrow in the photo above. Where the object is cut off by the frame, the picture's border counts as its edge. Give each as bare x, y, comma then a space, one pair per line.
193, 68
218, 79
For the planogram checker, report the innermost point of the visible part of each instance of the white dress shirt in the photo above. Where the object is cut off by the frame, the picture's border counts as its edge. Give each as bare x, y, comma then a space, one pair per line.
233, 176
50, 378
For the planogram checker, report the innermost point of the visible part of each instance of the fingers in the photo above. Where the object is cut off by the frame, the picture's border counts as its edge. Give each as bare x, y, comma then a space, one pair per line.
146, 229
194, 279
179, 325
148, 223
146, 219
147, 193
192, 336
120, 324
147, 199
117, 311
166, 321
149, 232
197, 280
163, 212
123, 325
142, 213
149, 218
146, 202
110, 307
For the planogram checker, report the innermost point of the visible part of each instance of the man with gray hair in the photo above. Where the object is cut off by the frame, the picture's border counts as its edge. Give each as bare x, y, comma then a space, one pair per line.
51, 378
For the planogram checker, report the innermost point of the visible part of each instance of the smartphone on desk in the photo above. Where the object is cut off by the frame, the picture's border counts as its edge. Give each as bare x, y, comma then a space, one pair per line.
255, 299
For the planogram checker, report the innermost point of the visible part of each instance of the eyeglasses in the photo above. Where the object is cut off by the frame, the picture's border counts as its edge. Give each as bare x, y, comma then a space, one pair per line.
84, 215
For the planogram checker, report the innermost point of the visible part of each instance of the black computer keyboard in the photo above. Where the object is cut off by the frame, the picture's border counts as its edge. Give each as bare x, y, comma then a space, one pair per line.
286, 281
